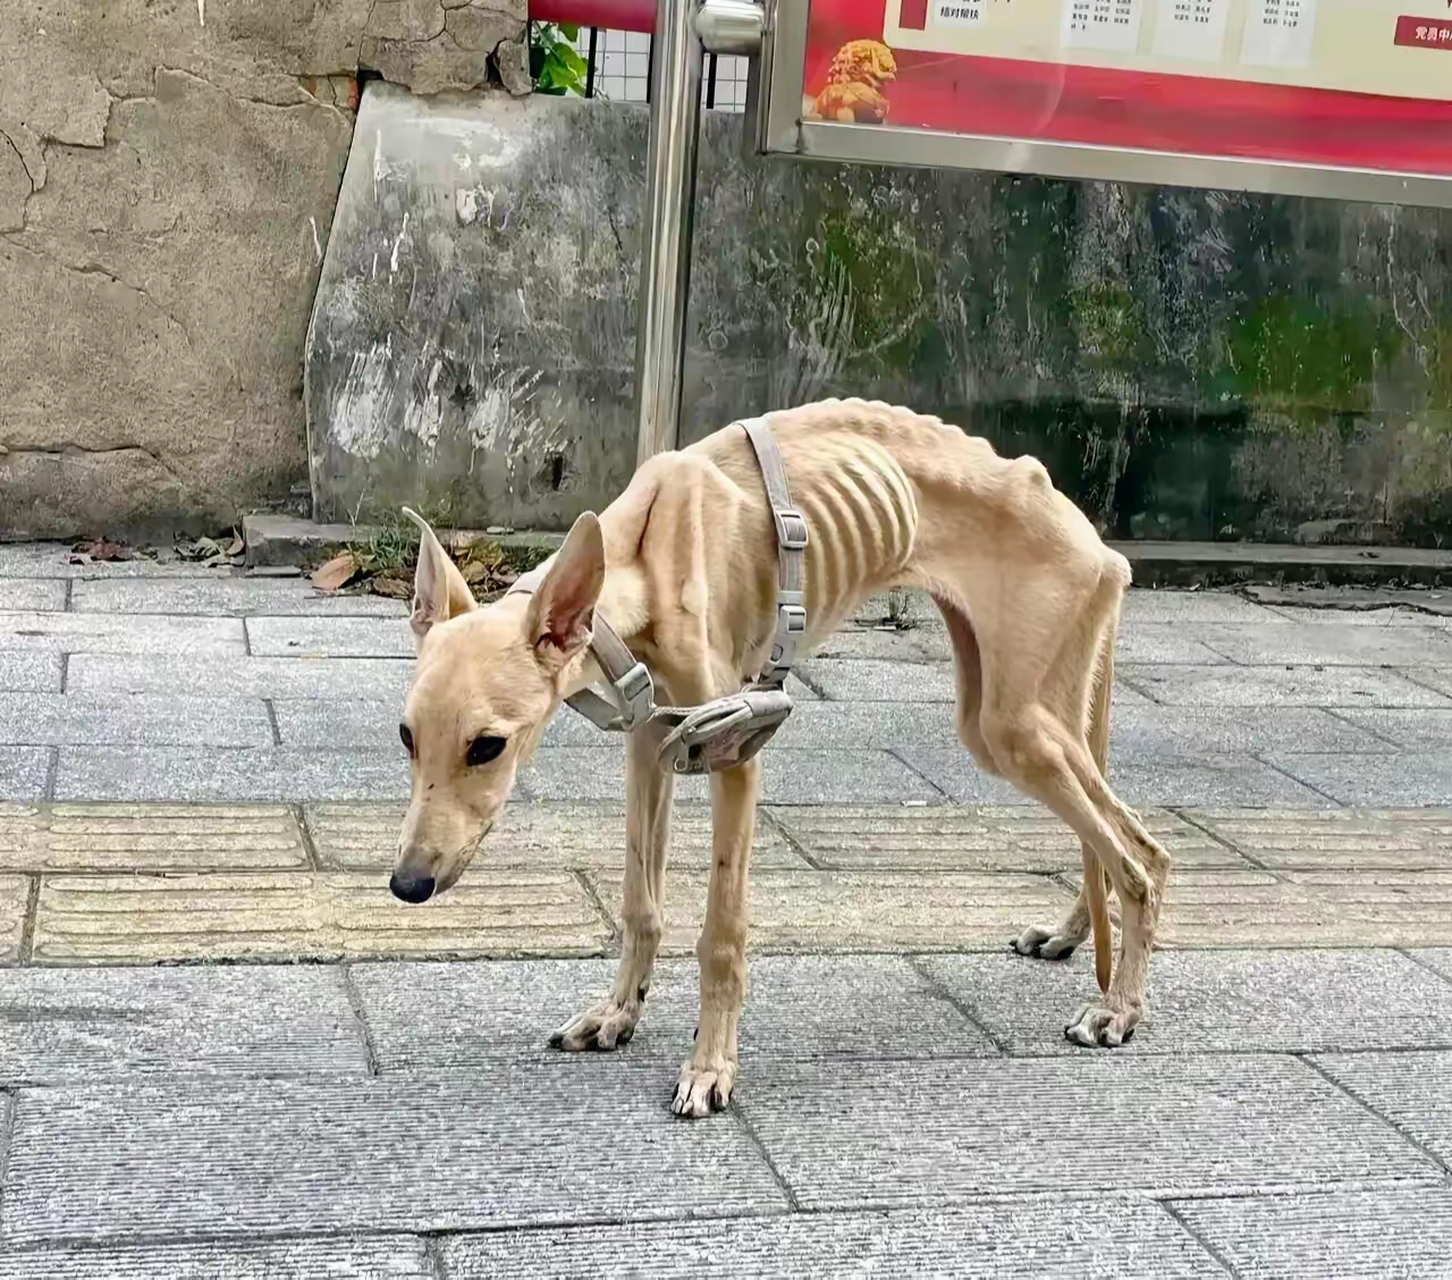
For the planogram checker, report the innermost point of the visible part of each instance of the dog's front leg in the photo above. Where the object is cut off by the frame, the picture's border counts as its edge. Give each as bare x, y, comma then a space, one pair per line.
708, 1075
648, 792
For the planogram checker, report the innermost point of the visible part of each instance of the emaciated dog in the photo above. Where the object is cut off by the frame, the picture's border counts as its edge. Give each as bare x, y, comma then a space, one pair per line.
683, 566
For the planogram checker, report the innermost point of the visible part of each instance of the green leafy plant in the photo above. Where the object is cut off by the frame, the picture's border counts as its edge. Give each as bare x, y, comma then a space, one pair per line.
554, 62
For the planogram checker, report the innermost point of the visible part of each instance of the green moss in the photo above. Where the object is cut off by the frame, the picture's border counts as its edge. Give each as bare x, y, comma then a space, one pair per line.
1292, 358
1113, 335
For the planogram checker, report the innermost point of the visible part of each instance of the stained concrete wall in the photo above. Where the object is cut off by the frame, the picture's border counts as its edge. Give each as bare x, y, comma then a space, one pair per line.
168, 174
1188, 364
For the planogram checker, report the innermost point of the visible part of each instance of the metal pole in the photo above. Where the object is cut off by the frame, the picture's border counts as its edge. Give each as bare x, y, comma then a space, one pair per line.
665, 274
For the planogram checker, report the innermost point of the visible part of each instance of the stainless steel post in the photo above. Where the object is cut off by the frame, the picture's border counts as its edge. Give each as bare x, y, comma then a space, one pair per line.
665, 275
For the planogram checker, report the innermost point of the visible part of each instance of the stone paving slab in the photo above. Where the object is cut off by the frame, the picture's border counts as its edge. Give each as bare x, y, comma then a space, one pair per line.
25, 772
27, 670
425, 1016
223, 597
14, 904
1155, 778
1138, 733
340, 1258
990, 1241
1208, 908
370, 678
55, 719
52, 560
945, 838
1438, 679
1163, 642
557, 836
149, 838
1411, 1090
808, 776
198, 774
430, 1153
915, 644
930, 1132
1215, 1001
323, 915
865, 680
353, 725
1436, 958
1406, 839
1341, 1235
214, 638
314, 637
32, 595
1190, 607
861, 910
62, 1026
1265, 688
1406, 779
1327, 643
1424, 730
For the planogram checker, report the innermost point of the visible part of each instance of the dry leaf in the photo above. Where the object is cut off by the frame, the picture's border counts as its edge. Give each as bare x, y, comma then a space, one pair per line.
393, 588
338, 572
236, 547
101, 549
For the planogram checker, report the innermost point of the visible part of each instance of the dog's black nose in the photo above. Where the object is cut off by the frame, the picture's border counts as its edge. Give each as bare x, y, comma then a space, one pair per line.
409, 888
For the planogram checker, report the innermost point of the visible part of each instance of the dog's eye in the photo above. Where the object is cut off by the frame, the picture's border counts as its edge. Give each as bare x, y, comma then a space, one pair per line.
482, 750
406, 737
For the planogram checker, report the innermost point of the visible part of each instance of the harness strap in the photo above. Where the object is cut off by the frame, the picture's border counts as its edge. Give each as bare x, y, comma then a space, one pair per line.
791, 549
631, 692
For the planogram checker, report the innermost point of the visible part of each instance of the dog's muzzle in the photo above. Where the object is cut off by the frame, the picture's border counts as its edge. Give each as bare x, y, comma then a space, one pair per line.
721, 734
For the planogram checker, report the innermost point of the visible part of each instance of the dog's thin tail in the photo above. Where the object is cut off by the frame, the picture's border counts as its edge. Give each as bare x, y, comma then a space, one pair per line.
1096, 896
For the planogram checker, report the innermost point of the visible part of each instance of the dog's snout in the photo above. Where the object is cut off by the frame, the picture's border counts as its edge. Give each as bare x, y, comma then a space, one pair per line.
411, 888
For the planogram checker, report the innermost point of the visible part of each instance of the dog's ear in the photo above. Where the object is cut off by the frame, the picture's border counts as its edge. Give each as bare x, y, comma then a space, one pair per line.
562, 609
439, 589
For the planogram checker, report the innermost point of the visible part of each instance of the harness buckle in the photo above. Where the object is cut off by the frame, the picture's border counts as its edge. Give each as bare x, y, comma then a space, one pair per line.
635, 691
723, 733
791, 529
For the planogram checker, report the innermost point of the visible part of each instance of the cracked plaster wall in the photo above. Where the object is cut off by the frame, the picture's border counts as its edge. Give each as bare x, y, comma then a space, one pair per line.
168, 176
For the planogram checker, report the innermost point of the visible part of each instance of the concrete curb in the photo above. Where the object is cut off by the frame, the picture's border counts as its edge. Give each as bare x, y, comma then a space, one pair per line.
274, 541
288, 542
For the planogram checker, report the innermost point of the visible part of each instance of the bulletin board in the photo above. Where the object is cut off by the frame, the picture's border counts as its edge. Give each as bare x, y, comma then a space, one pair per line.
1346, 98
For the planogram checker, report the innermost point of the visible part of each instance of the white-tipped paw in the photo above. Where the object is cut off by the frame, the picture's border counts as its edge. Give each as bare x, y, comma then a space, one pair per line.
605, 1025
1045, 944
1097, 1025
703, 1089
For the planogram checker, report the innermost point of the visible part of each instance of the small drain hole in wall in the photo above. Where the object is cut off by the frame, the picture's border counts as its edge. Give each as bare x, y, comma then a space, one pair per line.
557, 472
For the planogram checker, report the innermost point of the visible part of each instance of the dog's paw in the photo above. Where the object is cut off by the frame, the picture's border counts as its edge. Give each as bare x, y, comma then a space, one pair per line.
605, 1025
1044, 944
703, 1089
1098, 1025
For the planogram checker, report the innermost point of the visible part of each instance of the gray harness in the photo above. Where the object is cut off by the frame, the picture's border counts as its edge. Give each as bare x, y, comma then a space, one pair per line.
726, 731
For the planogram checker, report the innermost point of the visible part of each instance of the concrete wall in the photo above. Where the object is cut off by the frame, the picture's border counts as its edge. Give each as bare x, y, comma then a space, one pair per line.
168, 174
1188, 364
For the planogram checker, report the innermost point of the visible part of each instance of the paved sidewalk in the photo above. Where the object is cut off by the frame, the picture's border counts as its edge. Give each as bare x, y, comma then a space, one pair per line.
199, 767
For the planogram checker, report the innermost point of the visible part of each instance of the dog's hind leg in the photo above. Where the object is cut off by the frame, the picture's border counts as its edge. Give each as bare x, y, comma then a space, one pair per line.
649, 789
708, 1075
1049, 944
1061, 943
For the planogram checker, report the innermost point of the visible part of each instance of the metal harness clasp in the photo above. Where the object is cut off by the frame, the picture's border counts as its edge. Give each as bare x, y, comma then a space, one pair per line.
723, 733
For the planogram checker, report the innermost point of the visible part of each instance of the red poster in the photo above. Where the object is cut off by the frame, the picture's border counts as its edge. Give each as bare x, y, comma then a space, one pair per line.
1364, 85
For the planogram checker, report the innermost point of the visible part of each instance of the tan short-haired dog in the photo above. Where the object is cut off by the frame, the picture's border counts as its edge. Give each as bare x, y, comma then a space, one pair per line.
683, 565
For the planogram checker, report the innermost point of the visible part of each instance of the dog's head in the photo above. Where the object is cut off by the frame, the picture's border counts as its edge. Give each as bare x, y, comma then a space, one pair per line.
488, 681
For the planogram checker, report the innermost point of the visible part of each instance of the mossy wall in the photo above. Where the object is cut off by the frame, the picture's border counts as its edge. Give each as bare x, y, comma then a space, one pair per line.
1188, 364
